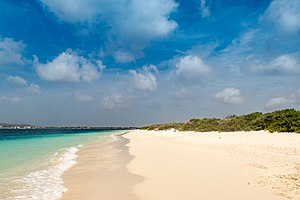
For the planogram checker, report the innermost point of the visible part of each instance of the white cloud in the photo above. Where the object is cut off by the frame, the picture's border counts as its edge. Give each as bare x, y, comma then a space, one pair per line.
115, 101
11, 52
150, 18
83, 97
238, 56
17, 80
144, 80
229, 96
10, 99
284, 64
191, 68
132, 24
278, 101
205, 11
34, 88
284, 15
90, 71
241, 44
74, 11
146, 17
122, 56
69, 67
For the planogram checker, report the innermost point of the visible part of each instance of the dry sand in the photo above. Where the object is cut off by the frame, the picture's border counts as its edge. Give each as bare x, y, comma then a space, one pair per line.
215, 166
167, 165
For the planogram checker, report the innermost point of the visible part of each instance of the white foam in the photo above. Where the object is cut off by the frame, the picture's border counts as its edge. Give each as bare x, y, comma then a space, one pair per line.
46, 184
113, 137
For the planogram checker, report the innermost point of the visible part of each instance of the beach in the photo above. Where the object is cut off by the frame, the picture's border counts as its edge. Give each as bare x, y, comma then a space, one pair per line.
101, 172
32, 162
158, 165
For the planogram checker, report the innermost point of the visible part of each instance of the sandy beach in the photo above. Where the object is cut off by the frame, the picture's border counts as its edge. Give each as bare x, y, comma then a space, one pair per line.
101, 172
161, 165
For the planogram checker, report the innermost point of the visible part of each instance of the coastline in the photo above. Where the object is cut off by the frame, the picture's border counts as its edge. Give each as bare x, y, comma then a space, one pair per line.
34, 161
100, 171
186, 165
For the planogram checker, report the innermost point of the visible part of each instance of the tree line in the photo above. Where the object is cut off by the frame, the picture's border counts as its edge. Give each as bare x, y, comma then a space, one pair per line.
287, 120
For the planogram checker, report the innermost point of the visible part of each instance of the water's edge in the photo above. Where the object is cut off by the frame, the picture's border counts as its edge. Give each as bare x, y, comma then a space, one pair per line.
42, 180
108, 167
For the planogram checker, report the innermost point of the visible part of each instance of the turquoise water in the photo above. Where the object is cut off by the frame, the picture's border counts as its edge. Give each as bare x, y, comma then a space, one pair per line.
32, 163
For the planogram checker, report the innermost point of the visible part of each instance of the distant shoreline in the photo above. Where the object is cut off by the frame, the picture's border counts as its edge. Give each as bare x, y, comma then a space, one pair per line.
21, 126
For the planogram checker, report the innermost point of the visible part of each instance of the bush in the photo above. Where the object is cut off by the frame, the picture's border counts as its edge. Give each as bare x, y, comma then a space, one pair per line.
287, 120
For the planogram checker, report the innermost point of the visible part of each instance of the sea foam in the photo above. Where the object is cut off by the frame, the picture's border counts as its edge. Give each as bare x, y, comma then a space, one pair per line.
46, 184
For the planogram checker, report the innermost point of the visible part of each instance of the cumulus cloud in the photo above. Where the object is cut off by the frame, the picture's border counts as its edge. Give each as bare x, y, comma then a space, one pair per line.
74, 11
205, 11
278, 101
10, 99
17, 80
283, 65
34, 88
229, 96
115, 101
191, 69
132, 24
11, 52
148, 17
83, 98
144, 80
284, 15
69, 67
122, 56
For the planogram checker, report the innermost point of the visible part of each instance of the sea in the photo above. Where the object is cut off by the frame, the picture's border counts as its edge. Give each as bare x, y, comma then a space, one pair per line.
32, 161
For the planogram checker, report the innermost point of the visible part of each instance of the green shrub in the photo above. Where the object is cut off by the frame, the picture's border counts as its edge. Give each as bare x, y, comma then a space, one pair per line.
287, 120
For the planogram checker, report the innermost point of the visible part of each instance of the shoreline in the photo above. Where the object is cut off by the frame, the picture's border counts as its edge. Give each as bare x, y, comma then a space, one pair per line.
187, 165
100, 171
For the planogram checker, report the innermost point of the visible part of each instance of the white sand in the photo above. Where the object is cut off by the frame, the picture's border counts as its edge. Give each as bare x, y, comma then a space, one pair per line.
100, 172
215, 166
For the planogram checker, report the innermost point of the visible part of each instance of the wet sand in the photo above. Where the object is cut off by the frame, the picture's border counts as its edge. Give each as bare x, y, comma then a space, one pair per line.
101, 173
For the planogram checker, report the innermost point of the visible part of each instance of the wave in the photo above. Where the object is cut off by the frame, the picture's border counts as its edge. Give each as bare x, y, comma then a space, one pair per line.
47, 183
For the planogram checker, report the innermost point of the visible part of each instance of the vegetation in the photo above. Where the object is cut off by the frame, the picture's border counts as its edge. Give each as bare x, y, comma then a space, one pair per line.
287, 120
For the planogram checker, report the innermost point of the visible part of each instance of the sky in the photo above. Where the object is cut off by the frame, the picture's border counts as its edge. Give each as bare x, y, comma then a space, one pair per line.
137, 62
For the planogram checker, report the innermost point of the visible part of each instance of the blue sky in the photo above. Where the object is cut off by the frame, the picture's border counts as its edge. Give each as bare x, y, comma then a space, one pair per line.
135, 62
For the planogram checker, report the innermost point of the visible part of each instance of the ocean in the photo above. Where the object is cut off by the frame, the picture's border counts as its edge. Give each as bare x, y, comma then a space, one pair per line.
32, 161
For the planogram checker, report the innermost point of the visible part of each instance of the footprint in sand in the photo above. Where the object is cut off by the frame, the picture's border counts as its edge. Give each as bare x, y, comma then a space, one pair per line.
257, 165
